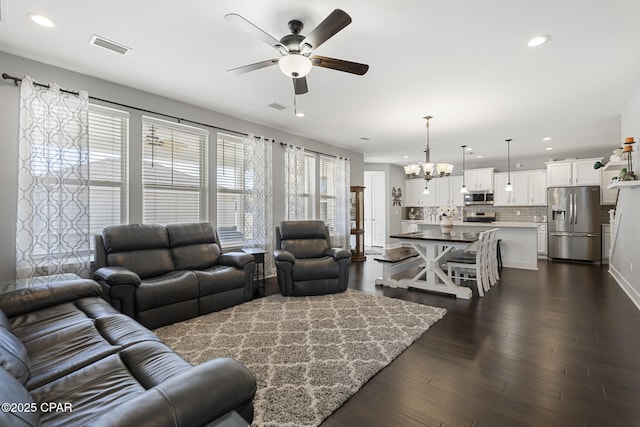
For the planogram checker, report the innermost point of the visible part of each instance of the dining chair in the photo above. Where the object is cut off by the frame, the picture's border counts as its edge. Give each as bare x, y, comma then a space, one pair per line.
476, 265
471, 265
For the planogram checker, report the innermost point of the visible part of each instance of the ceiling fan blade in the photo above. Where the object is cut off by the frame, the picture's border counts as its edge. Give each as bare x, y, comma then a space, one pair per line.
300, 85
253, 67
340, 65
255, 31
336, 21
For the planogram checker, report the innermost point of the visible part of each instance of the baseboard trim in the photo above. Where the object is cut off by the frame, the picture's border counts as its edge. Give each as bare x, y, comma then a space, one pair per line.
633, 295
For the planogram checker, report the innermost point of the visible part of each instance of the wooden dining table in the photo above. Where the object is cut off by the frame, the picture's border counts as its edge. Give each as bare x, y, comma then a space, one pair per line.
431, 247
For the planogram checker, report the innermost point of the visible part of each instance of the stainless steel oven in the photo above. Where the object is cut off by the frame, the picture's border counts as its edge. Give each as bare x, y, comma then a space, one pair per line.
478, 199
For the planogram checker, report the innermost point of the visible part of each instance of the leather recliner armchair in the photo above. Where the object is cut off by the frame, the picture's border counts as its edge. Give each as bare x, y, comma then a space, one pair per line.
306, 264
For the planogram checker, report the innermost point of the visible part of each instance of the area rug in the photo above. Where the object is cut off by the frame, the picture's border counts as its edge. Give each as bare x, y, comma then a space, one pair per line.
309, 354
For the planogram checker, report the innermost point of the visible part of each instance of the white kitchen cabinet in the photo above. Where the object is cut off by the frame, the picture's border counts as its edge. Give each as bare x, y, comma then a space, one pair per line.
441, 186
573, 173
447, 191
606, 242
538, 187
479, 179
455, 183
542, 239
529, 189
413, 192
501, 197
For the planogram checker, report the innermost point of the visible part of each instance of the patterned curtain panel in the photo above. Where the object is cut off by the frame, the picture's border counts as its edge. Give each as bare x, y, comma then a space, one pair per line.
258, 199
342, 171
295, 182
52, 235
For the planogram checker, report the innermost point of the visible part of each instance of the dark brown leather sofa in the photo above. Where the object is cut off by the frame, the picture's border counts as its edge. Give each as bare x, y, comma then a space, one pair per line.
68, 358
305, 261
160, 274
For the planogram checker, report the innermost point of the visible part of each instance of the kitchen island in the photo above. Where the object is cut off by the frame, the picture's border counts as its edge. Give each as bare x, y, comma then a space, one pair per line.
519, 245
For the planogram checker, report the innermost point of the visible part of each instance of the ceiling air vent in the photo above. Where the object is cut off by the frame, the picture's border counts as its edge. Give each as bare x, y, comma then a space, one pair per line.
108, 44
277, 106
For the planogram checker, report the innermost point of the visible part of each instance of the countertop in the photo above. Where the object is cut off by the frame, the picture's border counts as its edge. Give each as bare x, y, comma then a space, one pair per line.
505, 224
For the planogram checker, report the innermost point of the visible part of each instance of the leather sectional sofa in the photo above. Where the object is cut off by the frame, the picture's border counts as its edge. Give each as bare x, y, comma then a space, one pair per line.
160, 275
68, 358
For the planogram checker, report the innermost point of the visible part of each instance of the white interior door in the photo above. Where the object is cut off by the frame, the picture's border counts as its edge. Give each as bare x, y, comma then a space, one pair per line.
378, 209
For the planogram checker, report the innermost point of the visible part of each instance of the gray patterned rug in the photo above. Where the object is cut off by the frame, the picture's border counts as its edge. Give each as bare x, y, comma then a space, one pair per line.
309, 354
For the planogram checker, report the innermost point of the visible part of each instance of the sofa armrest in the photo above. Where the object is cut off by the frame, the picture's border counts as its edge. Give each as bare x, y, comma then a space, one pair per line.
235, 259
47, 294
114, 276
284, 255
192, 398
338, 253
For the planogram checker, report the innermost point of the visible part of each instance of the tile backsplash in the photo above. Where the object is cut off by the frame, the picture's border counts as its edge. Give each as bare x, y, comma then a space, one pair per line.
503, 213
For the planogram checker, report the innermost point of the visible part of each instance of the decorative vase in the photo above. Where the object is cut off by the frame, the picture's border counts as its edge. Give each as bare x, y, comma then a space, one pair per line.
446, 225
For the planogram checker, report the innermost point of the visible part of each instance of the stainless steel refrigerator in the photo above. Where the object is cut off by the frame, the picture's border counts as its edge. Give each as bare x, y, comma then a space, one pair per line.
574, 223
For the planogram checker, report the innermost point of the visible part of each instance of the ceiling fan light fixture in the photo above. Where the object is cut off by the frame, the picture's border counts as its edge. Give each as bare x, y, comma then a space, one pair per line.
295, 65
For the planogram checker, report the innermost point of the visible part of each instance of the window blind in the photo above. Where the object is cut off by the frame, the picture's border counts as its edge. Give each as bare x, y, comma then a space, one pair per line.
108, 145
231, 183
327, 210
174, 172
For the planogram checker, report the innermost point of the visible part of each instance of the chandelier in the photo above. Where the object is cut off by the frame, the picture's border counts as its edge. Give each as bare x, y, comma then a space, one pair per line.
428, 168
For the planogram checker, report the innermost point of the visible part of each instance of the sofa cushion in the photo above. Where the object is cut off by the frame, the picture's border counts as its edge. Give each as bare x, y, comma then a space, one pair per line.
13, 356
29, 326
96, 389
315, 268
132, 237
141, 248
193, 246
12, 392
145, 263
220, 278
170, 288
64, 351
153, 363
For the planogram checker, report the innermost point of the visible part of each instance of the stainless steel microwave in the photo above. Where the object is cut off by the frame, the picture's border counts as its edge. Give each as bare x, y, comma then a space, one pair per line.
478, 199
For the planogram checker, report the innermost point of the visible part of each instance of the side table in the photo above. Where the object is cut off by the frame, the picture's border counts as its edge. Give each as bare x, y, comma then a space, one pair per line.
258, 258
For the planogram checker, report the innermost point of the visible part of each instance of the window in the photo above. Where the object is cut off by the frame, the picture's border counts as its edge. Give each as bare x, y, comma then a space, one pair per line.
108, 140
327, 193
174, 172
244, 191
232, 183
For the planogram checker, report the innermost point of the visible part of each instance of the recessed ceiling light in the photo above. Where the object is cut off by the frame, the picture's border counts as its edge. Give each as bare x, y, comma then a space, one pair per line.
469, 149
300, 114
548, 138
405, 157
479, 156
365, 138
41, 20
549, 148
538, 40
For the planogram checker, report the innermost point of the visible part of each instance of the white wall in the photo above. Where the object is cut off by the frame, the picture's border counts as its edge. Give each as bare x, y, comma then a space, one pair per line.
625, 262
9, 121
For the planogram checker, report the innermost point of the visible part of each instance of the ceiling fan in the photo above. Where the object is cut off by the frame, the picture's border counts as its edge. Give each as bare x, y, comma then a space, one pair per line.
296, 60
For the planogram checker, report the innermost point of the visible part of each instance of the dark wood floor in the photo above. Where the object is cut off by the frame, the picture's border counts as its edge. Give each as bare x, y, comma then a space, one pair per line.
555, 347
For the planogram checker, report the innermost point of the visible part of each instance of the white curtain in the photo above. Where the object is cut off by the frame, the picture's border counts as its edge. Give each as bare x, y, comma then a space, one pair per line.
52, 232
342, 171
294, 164
258, 198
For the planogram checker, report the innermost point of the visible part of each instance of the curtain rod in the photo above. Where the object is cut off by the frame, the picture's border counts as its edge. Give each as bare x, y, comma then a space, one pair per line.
283, 145
17, 80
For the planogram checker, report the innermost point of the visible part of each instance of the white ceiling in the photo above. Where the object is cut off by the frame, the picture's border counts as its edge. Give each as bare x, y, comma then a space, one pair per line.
465, 62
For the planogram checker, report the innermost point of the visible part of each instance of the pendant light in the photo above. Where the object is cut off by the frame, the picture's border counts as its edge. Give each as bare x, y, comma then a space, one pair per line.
509, 187
463, 189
